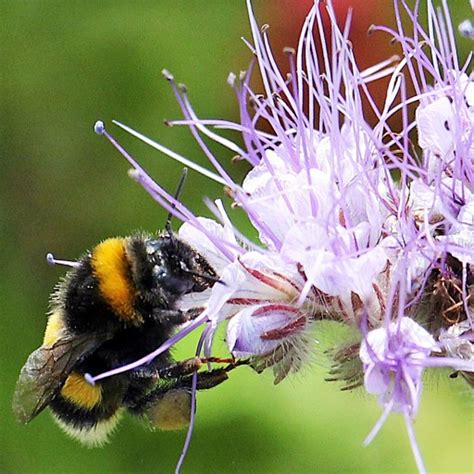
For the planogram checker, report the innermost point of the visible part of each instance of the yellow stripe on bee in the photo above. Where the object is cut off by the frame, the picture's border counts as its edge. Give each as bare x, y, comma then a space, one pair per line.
77, 390
53, 328
111, 268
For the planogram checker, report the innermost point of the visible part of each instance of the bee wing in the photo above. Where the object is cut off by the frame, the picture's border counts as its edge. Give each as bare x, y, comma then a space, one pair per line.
46, 370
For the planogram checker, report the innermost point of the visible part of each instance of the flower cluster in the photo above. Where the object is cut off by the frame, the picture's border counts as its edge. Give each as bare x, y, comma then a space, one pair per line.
339, 238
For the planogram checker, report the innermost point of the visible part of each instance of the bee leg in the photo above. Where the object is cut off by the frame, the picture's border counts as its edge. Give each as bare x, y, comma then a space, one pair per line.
168, 406
178, 383
181, 368
186, 367
165, 388
214, 377
209, 378
169, 371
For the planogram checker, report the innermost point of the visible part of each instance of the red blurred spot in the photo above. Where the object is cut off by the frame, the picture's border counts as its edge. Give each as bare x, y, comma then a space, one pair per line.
286, 18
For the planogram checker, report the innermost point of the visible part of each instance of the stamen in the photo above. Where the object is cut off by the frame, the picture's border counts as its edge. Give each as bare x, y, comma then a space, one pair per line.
171, 154
192, 419
67, 263
380, 422
414, 444
99, 128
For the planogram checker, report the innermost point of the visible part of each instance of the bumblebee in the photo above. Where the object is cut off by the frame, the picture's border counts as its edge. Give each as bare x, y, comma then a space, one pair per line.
115, 306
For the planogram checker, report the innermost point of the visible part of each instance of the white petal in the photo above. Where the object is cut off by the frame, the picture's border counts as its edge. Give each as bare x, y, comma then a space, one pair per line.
413, 333
374, 380
244, 331
435, 124
374, 346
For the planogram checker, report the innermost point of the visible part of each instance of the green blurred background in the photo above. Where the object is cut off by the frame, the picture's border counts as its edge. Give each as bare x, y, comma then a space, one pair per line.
63, 189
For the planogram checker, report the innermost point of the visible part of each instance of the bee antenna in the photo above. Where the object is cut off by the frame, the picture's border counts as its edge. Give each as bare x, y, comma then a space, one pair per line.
179, 189
204, 276
53, 261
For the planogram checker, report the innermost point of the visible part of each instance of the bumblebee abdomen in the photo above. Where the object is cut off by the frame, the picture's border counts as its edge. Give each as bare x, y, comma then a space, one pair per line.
79, 392
88, 413
94, 433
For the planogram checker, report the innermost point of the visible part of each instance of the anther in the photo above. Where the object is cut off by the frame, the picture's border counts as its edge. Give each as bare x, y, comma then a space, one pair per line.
99, 127
89, 379
229, 192
168, 76
466, 29
134, 174
231, 79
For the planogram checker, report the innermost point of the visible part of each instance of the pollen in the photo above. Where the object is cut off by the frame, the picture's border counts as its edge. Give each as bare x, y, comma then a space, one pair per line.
111, 268
172, 412
78, 391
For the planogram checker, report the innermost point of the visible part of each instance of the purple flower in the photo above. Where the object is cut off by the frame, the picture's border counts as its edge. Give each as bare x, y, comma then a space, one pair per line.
318, 195
338, 237
265, 322
394, 358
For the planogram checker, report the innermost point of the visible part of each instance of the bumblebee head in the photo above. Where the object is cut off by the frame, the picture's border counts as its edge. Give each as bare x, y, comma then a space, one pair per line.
167, 266
172, 263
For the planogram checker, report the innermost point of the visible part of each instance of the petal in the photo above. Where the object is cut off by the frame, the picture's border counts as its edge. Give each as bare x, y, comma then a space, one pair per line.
246, 328
435, 127
373, 348
413, 334
375, 381
253, 280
